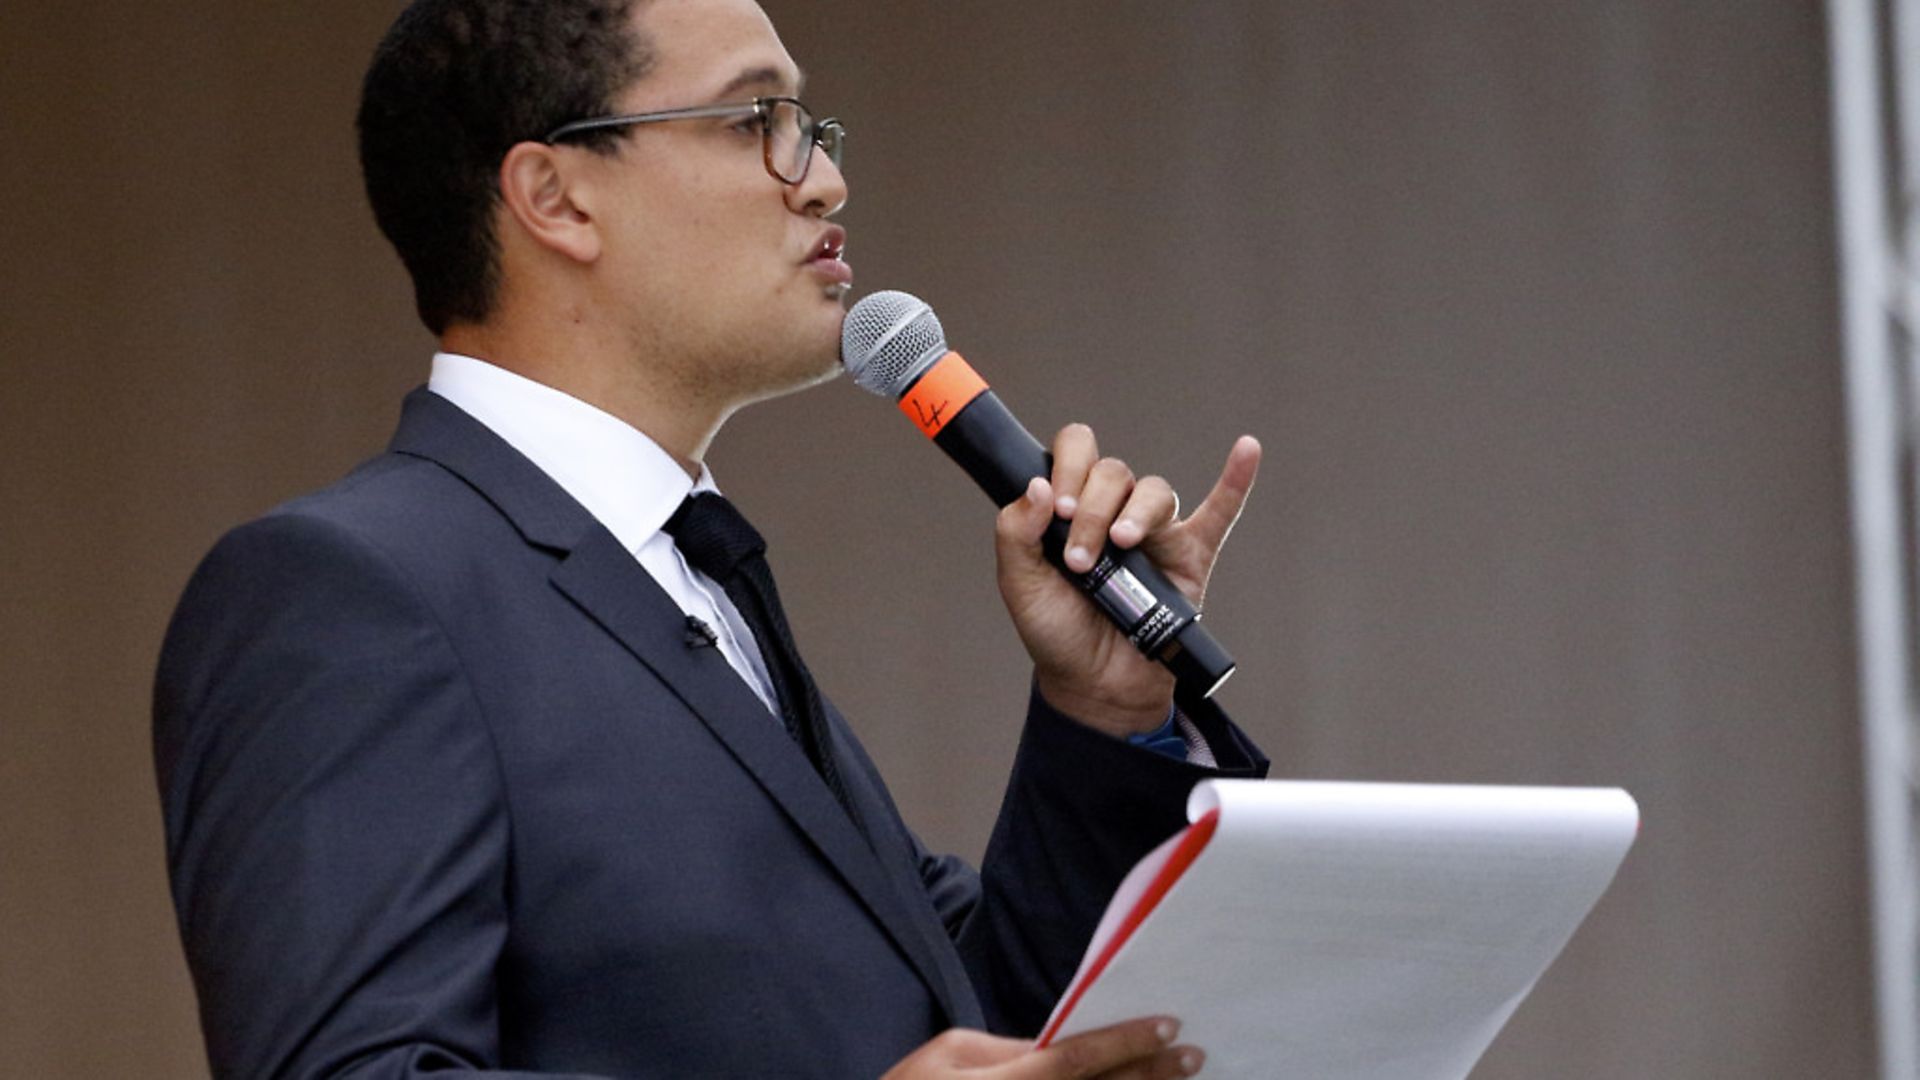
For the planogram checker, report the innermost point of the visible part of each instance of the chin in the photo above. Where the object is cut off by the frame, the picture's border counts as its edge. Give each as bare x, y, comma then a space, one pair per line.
798, 369
820, 355
823, 367
799, 350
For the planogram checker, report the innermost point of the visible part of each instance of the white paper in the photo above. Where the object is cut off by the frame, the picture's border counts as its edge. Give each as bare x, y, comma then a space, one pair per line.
1344, 931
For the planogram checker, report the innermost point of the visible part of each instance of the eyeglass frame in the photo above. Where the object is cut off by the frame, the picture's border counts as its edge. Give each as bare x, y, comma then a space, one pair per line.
762, 107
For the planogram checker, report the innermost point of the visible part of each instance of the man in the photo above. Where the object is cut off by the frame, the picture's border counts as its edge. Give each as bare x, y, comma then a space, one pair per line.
498, 755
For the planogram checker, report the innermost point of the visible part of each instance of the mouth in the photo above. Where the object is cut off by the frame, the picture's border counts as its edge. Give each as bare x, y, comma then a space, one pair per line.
826, 258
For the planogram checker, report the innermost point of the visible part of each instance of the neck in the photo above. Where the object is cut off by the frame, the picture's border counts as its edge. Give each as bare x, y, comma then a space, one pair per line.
603, 373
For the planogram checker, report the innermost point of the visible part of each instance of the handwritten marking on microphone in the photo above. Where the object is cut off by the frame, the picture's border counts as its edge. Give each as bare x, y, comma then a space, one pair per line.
949, 386
930, 417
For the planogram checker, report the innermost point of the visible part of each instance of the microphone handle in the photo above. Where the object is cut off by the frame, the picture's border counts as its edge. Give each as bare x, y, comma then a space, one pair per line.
1000, 454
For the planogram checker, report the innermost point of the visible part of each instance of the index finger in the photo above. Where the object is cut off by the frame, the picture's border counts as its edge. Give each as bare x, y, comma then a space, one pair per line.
1097, 1052
1213, 519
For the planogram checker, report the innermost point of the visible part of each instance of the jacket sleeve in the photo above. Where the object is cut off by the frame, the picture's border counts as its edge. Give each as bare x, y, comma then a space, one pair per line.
1081, 808
337, 835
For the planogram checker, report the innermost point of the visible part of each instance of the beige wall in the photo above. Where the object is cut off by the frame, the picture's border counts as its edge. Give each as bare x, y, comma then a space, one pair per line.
1532, 304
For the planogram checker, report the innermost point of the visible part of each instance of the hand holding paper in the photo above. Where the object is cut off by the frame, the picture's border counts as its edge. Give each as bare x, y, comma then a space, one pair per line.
1137, 1050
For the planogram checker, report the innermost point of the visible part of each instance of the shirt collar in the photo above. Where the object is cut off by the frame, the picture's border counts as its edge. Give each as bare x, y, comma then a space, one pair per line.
622, 477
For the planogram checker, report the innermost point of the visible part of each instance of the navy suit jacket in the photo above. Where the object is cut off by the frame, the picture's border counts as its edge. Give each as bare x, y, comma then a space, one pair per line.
446, 787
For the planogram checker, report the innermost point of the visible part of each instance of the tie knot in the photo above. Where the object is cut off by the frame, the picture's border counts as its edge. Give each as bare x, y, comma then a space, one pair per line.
714, 537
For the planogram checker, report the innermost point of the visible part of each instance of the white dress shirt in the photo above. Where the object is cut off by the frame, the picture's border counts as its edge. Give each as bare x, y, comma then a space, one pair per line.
622, 477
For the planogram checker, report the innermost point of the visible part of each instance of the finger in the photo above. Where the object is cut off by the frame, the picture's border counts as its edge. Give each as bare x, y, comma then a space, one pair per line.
1074, 452
1096, 1052
1213, 519
1152, 506
1109, 485
1169, 1064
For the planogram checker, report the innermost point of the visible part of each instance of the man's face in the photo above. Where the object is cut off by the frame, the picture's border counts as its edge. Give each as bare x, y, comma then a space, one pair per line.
724, 276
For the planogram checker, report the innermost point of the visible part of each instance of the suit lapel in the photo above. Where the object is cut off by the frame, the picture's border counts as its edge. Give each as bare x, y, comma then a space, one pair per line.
605, 581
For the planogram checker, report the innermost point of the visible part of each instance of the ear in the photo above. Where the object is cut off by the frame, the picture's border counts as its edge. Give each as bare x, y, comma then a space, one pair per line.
541, 187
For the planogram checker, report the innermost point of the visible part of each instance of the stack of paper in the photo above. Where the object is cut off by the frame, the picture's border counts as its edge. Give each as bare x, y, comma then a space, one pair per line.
1339, 931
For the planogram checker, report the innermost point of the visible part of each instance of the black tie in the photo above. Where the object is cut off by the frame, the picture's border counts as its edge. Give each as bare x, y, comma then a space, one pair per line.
718, 541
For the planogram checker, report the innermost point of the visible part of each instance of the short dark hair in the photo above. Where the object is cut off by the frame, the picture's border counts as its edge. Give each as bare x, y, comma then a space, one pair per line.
452, 87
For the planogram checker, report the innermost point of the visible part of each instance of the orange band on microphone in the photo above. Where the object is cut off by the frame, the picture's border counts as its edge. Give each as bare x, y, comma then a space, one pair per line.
949, 385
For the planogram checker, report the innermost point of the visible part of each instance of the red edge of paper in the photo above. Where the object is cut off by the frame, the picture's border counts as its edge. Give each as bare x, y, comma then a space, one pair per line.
1192, 841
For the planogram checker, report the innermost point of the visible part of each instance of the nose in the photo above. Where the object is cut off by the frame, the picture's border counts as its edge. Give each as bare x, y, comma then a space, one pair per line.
822, 192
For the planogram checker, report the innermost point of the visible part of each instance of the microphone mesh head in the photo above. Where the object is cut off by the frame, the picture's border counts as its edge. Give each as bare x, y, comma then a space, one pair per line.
888, 339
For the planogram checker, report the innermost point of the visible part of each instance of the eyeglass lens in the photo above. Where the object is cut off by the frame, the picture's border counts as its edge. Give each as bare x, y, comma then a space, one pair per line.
790, 140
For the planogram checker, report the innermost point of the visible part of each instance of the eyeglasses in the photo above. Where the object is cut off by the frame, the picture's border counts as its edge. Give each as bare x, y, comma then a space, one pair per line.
788, 131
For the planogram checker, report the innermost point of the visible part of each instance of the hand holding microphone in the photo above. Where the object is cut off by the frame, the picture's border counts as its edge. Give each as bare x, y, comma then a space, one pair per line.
1070, 522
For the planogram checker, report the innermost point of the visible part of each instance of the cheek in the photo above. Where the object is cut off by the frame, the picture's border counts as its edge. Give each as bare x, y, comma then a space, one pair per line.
709, 263
671, 260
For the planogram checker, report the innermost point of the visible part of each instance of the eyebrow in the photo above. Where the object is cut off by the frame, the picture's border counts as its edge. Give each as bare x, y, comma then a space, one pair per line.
771, 77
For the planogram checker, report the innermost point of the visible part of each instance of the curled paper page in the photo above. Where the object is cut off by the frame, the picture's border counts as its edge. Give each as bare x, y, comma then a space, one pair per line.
1346, 931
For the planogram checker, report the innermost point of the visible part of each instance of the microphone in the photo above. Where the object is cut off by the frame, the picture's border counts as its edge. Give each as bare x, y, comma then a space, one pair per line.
893, 345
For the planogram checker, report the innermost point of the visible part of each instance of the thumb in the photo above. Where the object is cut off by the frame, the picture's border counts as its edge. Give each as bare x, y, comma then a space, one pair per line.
1017, 533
